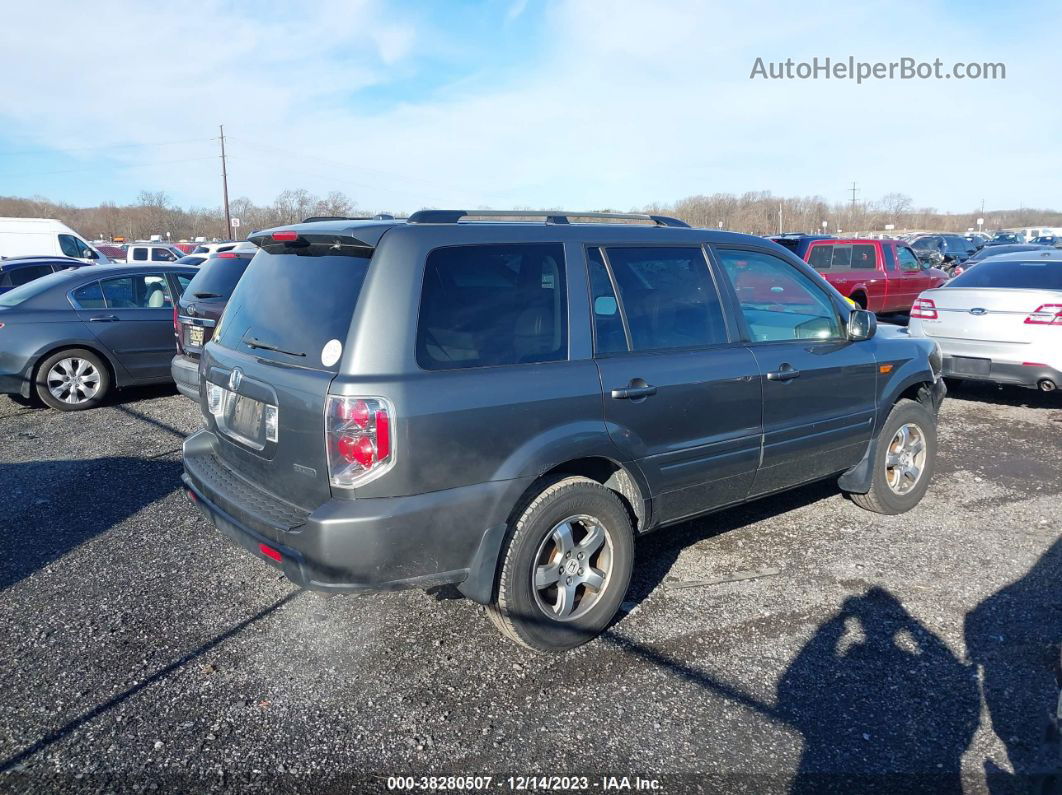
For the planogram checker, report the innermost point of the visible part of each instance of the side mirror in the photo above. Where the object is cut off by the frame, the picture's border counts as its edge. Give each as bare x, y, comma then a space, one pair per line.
862, 325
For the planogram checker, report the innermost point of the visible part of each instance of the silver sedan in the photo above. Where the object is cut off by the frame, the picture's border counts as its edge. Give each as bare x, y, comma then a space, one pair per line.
1000, 321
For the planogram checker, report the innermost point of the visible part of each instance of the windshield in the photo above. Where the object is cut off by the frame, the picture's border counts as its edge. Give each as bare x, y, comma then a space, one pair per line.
217, 278
1018, 275
315, 293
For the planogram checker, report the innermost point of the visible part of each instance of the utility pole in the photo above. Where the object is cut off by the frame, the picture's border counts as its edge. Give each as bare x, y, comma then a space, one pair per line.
853, 189
779, 219
225, 184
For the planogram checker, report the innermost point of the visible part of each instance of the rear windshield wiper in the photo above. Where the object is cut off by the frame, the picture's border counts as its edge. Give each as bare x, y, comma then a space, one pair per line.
252, 342
207, 295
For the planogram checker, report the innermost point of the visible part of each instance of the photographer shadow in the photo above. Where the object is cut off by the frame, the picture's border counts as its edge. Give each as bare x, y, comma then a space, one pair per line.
1015, 637
883, 704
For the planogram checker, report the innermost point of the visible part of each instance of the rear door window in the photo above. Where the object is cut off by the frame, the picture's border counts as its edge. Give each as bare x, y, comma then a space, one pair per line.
842, 258
609, 335
89, 296
493, 305
864, 257
667, 297
821, 257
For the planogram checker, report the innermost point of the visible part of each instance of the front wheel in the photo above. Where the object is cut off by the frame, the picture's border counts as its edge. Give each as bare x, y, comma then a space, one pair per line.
903, 461
565, 567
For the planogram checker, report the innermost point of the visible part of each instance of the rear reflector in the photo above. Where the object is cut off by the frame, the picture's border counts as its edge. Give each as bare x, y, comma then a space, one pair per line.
287, 236
269, 552
925, 309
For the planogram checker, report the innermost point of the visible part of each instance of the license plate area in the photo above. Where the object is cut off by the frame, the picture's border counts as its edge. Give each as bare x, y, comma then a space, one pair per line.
241, 418
968, 365
193, 337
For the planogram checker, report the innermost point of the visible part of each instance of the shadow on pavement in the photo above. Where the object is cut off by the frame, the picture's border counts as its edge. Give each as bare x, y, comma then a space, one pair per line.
1015, 637
883, 704
51, 507
1003, 394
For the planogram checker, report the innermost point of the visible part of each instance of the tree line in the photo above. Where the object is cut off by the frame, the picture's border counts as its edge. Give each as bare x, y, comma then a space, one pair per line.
755, 212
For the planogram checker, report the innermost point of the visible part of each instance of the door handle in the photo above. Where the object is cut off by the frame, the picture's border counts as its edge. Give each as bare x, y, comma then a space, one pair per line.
784, 373
629, 392
103, 318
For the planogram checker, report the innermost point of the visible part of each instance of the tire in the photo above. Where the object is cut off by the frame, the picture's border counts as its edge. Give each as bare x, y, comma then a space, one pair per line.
570, 611
893, 488
73, 380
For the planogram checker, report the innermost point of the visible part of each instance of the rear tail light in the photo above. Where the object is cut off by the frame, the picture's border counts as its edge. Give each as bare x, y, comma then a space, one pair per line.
177, 329
1046, 315
924, 308
359, 438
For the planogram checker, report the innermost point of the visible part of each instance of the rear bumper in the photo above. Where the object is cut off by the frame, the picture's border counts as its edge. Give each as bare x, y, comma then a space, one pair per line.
1028, 375
185, 372
347, 545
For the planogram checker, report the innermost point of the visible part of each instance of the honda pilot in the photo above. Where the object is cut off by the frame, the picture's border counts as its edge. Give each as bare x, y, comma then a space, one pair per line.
506, 405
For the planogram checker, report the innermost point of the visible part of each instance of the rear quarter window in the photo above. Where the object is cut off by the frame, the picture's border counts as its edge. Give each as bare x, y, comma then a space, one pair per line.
821, 256
490, 305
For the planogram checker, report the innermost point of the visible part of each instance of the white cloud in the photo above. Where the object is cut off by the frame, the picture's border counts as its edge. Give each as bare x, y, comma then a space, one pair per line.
623, 104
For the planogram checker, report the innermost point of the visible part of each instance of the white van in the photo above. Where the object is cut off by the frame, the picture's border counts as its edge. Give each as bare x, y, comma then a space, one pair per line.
47, 237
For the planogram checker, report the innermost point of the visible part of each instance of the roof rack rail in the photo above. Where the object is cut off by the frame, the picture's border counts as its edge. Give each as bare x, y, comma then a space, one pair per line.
550, 216
378, 217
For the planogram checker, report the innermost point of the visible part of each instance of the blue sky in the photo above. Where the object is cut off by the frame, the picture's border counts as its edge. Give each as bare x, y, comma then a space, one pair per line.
518, 103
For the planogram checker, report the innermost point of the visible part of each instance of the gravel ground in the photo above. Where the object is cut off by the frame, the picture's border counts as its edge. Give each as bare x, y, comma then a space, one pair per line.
848, 650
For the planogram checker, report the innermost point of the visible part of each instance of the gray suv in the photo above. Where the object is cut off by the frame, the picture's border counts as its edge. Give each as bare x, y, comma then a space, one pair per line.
505, 405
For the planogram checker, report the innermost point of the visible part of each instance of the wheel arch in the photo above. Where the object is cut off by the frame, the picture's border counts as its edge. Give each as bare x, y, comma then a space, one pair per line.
112, 367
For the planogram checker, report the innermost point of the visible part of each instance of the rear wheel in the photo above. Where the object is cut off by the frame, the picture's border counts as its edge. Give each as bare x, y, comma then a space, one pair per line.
904, 460
73, 380
565, 567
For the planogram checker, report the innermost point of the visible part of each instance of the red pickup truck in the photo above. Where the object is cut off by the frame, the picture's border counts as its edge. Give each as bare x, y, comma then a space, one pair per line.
879, 275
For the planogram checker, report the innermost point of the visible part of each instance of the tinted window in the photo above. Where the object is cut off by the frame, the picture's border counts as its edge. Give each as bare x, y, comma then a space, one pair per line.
162, 255
790, 243
68, 244
890, 257
313, 291
778, 301
217, 278
864, 257
90, 296
183, 280
143, 291
27, 274
842, 258
609, 336
821, 257
492, 305
1022, 275
908, 260
140, 254
667, 297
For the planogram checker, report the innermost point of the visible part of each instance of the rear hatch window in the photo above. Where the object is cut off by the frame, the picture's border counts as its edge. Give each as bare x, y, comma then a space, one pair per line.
217, 278
289, 305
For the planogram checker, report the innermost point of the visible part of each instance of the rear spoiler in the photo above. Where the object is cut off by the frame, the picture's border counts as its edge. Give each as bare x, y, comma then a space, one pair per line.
313, 243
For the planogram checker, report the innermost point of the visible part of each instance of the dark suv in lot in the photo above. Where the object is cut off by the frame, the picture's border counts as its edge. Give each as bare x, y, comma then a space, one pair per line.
200, 308
507, 405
